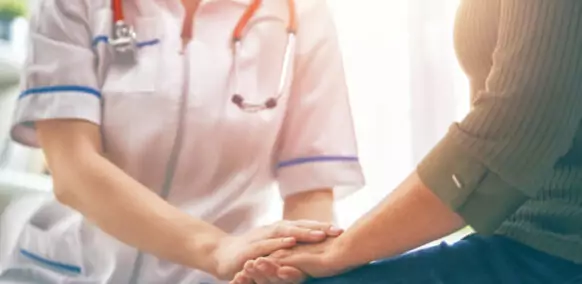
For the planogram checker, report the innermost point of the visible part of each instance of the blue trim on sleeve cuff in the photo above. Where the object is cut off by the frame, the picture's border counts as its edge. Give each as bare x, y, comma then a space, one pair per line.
105, 39
61, 266
58, 89
316, 159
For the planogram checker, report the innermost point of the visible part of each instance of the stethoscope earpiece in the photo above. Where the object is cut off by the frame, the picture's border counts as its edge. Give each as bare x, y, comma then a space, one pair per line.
237, 100
271, 103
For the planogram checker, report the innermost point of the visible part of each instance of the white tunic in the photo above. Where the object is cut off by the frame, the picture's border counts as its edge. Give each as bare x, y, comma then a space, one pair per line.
168, 122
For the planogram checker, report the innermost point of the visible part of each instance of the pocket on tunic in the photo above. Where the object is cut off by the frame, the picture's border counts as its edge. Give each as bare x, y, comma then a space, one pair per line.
48, 244
128, 89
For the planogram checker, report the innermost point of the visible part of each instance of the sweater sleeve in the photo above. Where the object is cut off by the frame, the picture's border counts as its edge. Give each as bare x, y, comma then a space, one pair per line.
524, 121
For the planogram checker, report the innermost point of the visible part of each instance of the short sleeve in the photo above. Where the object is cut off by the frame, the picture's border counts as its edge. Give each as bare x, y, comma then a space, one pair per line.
318, 146
59, 79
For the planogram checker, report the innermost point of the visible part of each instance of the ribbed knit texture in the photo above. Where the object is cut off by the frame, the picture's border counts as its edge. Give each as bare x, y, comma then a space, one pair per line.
524, 61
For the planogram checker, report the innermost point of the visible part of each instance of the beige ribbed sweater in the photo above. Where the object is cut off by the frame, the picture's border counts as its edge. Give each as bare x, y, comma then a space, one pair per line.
513, 166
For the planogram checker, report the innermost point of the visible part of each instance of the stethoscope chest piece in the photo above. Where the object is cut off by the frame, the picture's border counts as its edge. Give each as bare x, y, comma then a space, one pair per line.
124, 43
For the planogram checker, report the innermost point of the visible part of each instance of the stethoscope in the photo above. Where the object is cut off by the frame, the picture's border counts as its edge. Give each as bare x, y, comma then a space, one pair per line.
124, 42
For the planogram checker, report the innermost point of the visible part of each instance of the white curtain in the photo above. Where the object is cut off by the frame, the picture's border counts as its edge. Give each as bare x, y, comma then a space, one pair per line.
405, 86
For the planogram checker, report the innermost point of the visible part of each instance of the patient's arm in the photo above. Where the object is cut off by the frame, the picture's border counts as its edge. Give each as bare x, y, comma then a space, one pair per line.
408, 218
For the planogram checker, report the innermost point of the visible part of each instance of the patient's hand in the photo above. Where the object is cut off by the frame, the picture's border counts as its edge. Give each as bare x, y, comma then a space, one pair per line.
316, 260
265, 270
294, 265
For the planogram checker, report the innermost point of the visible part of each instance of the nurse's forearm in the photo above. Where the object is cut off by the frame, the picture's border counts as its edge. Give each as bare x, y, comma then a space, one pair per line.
409, 217
133, 214
315, 205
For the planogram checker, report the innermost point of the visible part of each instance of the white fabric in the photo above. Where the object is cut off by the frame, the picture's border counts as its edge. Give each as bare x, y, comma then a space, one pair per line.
229, 160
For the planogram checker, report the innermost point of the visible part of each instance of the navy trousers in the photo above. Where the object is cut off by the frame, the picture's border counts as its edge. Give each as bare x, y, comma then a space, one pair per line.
473, 260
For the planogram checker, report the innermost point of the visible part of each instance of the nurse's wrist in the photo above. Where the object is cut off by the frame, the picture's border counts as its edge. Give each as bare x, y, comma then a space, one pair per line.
201, 250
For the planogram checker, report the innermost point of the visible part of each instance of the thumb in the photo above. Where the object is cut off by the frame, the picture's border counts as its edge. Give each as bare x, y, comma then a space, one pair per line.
267, 246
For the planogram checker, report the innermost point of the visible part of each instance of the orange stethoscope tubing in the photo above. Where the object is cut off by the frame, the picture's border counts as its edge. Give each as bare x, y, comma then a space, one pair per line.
252, 10
118, 14
237, 36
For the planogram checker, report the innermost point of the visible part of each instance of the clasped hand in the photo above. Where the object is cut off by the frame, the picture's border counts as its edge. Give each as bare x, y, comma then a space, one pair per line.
233, 252
293, 265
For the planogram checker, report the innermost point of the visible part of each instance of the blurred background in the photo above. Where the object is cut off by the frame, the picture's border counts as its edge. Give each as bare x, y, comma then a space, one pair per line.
406, 89
21, 169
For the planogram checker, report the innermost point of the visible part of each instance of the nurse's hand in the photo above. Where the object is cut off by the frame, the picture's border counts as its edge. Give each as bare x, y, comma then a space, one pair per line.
233, 252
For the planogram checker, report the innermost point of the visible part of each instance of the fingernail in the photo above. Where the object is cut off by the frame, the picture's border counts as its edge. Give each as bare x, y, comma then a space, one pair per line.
317, 233
283, 276
335, 230
289, 240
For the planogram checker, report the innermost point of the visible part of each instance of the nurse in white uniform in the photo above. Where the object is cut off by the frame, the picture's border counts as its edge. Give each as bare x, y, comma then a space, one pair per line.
166, 126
